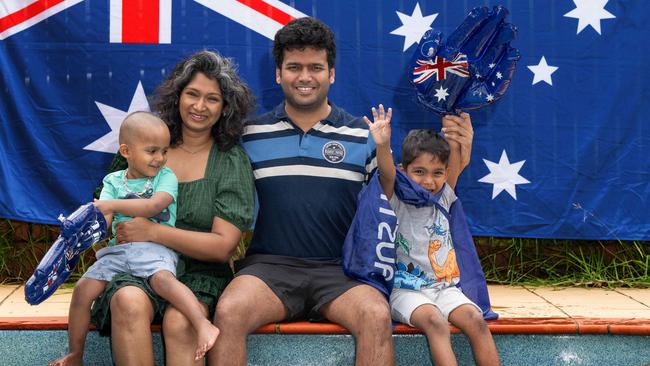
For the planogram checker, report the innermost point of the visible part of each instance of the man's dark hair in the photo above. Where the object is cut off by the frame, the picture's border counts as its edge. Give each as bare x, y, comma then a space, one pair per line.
424, 141
301, 33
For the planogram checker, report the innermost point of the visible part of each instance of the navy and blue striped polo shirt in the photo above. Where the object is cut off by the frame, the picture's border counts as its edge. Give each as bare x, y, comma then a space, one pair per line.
307, 183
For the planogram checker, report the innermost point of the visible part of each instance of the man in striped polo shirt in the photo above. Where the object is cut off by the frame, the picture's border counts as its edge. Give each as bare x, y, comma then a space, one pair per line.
310, 160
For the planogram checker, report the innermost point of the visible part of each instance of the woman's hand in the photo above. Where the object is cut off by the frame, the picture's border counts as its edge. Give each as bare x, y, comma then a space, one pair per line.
137, 229
459, 133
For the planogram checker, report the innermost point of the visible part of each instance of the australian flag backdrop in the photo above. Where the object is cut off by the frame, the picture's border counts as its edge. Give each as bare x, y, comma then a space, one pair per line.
564, 154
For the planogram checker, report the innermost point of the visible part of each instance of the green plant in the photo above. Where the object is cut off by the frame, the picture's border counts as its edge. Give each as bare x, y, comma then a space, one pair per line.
504, 260
23, 245
565, 262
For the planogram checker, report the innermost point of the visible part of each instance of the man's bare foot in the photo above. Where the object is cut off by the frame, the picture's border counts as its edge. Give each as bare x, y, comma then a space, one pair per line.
71, 359
207, 334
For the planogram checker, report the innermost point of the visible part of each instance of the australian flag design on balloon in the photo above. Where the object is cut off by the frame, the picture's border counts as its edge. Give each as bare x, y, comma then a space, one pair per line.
462, 81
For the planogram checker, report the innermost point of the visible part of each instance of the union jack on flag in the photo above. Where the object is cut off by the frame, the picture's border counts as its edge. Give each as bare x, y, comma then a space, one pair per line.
440, 67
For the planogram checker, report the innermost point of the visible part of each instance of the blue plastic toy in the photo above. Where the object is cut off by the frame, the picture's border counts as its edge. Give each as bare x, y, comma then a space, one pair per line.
471, 69
79, 231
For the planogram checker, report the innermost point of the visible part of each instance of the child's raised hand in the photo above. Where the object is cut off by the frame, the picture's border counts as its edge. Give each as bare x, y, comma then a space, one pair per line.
380, 128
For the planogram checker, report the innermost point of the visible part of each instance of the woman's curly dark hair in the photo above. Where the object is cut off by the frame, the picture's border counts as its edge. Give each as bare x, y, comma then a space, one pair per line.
304, 32
238, 100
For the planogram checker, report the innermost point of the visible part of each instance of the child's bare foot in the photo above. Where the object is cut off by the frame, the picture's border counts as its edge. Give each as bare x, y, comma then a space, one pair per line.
207, 335
71, 359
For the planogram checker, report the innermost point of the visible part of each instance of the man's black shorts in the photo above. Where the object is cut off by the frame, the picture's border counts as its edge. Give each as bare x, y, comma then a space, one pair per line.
302, 285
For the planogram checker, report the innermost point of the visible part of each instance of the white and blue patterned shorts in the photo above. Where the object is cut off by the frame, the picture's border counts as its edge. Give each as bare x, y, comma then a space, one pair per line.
140, 259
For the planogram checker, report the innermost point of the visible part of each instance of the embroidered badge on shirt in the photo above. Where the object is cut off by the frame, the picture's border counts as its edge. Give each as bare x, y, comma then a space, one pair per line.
334, 152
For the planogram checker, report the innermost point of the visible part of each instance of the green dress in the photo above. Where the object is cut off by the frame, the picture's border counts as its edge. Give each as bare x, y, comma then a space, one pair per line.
226, 192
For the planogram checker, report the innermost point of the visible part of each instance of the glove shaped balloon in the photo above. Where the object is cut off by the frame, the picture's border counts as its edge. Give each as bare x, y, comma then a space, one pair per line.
79, 231
471, 69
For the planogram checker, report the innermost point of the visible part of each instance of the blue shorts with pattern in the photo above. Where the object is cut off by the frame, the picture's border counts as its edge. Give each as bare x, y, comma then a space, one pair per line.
140, 259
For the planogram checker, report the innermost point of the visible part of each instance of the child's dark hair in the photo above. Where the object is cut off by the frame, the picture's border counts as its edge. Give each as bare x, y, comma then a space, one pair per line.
304, 32
424, 141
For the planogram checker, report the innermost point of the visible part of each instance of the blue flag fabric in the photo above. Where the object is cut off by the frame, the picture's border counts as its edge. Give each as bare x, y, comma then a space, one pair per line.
562, 155
369, 250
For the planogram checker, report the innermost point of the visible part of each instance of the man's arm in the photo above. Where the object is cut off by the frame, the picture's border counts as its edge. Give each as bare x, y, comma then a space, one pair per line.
459, 134
380, 130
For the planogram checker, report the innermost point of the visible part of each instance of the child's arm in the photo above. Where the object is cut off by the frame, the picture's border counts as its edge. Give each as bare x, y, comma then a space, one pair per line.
146, 207
459, 134
380, 130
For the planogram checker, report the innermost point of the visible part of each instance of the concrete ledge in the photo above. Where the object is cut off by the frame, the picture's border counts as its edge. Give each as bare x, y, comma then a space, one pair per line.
500, 326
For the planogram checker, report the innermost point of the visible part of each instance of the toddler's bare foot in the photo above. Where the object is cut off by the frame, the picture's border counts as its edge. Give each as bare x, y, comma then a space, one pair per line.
207, 335
71, 359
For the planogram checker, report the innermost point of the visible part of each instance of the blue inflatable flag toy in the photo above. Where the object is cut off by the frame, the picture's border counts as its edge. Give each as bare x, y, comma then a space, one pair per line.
471, 69
79, 231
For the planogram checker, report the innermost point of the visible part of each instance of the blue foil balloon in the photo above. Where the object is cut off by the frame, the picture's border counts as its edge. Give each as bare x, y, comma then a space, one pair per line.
471, 69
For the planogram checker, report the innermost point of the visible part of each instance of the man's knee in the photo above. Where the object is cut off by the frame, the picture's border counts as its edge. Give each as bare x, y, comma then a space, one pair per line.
379, 311
375, 317
233, 309
130, 305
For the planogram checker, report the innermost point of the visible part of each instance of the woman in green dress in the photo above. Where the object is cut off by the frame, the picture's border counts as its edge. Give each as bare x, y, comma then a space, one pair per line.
204, 103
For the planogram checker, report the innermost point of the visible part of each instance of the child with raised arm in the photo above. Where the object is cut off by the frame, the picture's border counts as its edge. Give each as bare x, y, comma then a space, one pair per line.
424, 292
146, 189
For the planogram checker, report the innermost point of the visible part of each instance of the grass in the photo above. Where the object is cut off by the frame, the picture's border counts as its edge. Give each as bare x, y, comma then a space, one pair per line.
513, 261
565, 262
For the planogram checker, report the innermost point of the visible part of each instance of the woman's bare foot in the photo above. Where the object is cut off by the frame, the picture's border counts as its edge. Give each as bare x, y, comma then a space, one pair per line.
71, 359
207, 335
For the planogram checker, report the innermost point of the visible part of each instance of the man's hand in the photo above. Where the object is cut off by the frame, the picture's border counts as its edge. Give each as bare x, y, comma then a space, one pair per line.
380, 128
459, 133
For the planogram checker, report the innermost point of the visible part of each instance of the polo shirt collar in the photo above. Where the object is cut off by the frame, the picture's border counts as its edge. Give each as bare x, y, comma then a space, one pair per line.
335, 117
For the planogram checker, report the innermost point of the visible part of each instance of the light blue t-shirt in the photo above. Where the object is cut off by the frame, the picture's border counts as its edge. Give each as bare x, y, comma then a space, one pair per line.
117, 186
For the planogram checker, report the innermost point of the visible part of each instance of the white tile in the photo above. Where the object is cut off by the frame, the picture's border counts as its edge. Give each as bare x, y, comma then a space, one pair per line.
641, 295
56, 305
518, 302
596, 303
